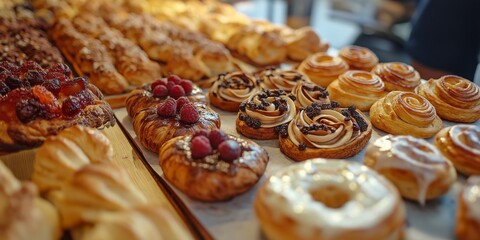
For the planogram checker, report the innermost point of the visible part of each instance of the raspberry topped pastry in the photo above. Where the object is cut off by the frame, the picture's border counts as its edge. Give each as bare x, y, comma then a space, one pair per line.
171, 118
307, 93
276, 78
151, 94
262, 115
36, 103
212, 165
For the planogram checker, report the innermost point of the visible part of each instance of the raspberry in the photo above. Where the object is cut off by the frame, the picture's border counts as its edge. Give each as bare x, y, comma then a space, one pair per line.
160, 91
200, 147
157, 82
216, 137
170, 85
167, 108
201, 132
187, 86
177, 91
181, 101
174, 78
188, 114
229, 150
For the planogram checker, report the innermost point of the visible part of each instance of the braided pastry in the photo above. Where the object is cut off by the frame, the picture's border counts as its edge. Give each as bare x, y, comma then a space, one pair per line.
358, 58
322, 68
398, 76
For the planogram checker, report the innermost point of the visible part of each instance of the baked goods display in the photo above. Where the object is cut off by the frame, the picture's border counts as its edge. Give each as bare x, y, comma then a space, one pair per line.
325, 131
460, 145
36, 103
414, 166
16, 9
455, 98
262, 115
468, 217
306, 93
405, 113
398, 76
171, 118
358, 58
329, 199
359, 88
276, 78
212, 165
231, 89
322, 68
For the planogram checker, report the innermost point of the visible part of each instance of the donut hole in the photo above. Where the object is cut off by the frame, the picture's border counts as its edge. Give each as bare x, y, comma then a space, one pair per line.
331, 196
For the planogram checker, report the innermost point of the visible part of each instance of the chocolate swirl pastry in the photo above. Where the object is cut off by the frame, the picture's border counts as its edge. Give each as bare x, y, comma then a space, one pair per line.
455, 98
276, 78
307, 93
261, 116
322, 68
398, 76
230, 89
405, 113
358, 58
325, 131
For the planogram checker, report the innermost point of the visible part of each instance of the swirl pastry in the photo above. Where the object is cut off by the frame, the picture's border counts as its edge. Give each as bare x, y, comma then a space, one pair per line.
398, 76
276, 78
413, 165
455, 98
461, 145
262, 115
324, 131
468, 210
329, 199
231, 89
307, 93
322, 68
359, 58
357, 88
216, 168
401, 113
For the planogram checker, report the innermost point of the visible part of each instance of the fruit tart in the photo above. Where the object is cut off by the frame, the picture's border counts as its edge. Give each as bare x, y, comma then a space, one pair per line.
152, 94
211, 165
171, 118
36, 103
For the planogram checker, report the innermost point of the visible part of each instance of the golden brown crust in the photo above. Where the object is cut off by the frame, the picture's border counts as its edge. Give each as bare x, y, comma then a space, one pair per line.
255, 133
225, 105
322, 68
358, 58
467, 227
398, 76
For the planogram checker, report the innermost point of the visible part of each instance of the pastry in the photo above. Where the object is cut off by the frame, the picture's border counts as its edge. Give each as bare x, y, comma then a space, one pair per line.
358, 58
149, 96
276, 78
212, 166
325, 131
158, 124
303, 42
329, 199
398, 76
357, 88
405, 113
230, 89
307, 93
37, 103
322, 68
414, 166
455, 99
262, 115
461, 145
468, 217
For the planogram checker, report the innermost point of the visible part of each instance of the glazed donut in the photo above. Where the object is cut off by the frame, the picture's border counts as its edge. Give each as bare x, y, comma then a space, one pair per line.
455, 98
230, 89
306, 93
398, 76
461, 145
213, 175
329, 199
405, 113
468, 210
414, 166
358, 58
322, 68
358, 88
276, 78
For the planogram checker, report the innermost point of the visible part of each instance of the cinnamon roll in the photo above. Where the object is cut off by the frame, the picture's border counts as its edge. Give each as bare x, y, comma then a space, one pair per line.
455, 98
276, 78
461, 145
230, 89
262, 115
398, 76
307, 93
322, 68
405, 113
359, 58
359, 88
325, 131
468, 210
414, 166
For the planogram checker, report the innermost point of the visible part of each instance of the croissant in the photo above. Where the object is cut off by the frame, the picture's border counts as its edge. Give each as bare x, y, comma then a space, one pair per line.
358, 58
398, 76
322, 68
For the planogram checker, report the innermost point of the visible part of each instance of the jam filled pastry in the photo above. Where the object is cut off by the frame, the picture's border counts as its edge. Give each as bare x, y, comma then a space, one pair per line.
306, 94
322, 68
276, 78
358, 58
468, 211
398, 76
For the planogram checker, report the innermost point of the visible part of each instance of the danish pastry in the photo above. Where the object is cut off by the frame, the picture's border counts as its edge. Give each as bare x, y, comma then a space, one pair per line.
468, 217
212, 166
231, 89
405, 113
359, 58
413, 165
276, 78
322, 68
455, 98
398, 76
325, 131
306, 93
